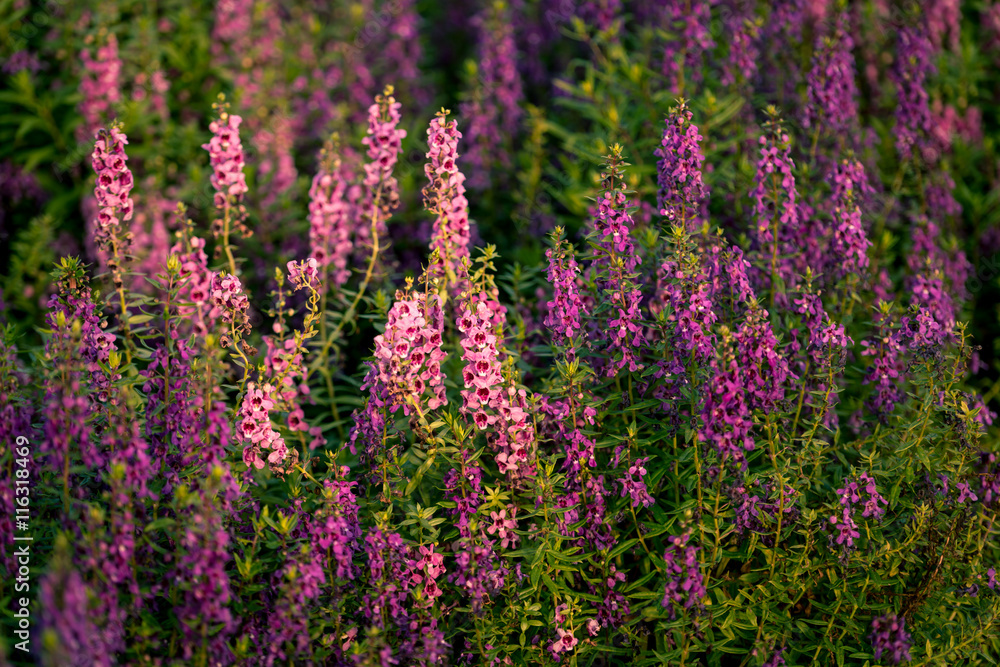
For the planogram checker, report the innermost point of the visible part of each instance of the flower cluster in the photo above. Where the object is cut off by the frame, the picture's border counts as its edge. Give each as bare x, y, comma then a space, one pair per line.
758, 512
231, 301
112, 190
196, 281
685, 297
409, 354
425, 571
909, 73
850, 243
890, 638
774, 195
634, 484
853, 493
304, 274
743, 32
384, 141
203, 582
255, 430
887, 348
485, 397
682, 54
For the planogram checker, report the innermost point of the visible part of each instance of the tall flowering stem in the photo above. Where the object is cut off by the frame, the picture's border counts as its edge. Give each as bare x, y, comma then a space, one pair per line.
685, 584
194, 277
913, 64
682, 193
112, 190
831, 89
617, 266
330, 217
444, 196
688, 22
225, 152
743, 32
566, 309
100, 85
406, 373
890, 638
384, 142
231, 301
850, 242
492, 111
81, 359
775, 209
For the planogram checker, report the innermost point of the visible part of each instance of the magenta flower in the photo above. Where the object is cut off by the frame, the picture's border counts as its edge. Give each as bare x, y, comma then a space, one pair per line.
616, 265
912, 66
304, 274
688, 25
112, 190
634, 485
743, 35
503, 527
774, 196
862, 492
850, 242
485, 397
228, 297
196, 280
384, 141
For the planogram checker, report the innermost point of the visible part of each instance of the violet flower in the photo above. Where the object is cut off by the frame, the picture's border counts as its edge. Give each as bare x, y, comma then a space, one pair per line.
890, 638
